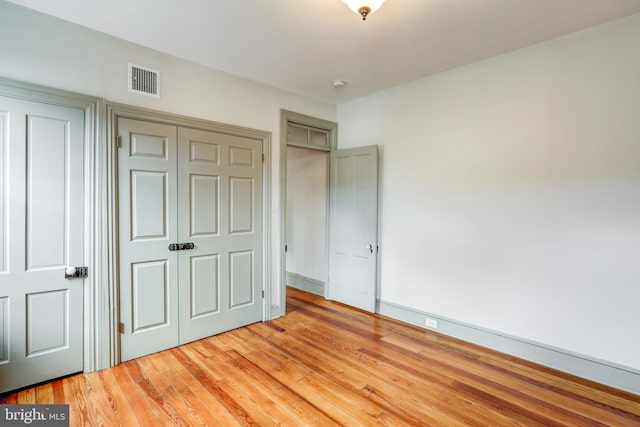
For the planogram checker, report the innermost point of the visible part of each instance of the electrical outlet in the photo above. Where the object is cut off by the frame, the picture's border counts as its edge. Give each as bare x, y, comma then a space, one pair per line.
431, 323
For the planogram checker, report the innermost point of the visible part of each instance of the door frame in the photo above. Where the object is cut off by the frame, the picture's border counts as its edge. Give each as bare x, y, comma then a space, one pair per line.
93, 216
115, 111
287, 117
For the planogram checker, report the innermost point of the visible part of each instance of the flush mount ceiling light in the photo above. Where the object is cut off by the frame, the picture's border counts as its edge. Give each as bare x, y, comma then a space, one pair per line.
364, 8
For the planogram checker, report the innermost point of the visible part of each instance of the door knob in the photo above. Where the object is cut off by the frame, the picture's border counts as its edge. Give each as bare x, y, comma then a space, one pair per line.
76, 272
370, 248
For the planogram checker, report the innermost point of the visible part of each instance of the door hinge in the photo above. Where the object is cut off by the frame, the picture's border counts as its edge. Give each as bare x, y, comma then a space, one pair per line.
286, 248
119, 141
262, 157
262, 294
121, 328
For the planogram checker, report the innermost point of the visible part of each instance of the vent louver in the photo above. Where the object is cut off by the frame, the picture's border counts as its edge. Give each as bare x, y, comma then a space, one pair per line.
144, 80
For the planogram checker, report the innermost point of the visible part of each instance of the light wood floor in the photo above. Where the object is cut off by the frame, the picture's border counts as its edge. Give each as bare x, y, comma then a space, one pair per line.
326, 364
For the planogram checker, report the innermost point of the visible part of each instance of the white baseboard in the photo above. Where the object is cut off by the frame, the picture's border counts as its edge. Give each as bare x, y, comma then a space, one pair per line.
306, 284
620, 377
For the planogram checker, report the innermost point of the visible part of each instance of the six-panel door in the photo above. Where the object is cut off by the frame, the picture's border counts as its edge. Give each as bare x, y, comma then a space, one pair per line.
220, 211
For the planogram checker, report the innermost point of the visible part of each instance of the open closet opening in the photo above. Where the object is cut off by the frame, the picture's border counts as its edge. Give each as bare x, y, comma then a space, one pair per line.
306, 143
306, 232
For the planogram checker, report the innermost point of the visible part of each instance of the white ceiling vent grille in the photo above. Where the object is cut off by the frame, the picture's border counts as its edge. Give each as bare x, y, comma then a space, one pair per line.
144, 80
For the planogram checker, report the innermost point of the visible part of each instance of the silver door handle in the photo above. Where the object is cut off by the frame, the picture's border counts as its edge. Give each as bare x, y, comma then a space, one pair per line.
182, 246
74, 272
370, 248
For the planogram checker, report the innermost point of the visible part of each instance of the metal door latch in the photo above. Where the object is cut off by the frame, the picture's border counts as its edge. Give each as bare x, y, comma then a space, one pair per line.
181, 246
75, 272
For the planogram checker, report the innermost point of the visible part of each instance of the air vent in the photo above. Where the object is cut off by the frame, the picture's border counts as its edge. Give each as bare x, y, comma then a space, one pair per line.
143, 80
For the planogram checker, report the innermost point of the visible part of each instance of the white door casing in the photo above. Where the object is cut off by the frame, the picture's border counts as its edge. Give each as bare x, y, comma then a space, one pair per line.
353, 227
41, 234
179, 185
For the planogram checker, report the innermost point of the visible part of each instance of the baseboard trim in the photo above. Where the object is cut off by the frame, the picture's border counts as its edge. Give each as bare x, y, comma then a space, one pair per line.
306, 284
620, 377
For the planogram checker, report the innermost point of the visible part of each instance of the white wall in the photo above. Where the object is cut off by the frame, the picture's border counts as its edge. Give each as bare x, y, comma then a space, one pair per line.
307, 213
510, 192
40, 49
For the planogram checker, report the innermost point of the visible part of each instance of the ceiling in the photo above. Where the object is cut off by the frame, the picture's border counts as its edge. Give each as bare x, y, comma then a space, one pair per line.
304, 45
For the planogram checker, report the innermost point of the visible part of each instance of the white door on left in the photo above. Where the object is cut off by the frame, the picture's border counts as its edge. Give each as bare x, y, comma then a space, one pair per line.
41, 234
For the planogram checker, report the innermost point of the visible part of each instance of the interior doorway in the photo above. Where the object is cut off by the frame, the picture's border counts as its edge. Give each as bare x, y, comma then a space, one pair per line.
329, 212
307, 219
305, 146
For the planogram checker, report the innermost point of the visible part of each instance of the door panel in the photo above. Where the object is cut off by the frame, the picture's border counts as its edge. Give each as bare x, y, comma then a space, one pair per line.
241, 205
150, 295
147, 169
204, 205
46, 200
47, 333
353, 227
41, 233
220, 195
205, 287
241, 280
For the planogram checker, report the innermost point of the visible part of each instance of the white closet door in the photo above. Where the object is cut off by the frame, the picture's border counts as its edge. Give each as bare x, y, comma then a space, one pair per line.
220, 211
41, 234
148, 219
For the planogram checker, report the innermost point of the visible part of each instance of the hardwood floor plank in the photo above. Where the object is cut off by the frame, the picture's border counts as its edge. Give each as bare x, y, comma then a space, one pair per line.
295, 404
44, 394
83, 411
11, 399
212, 386
151, 393
142, 410
326, 364
104, 410
58, 392
27, 396
244, 393
219, 413
182, 412
344, 407
269, 398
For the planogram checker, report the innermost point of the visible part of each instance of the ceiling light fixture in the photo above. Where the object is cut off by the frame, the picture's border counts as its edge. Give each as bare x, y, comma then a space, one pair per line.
364, 8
